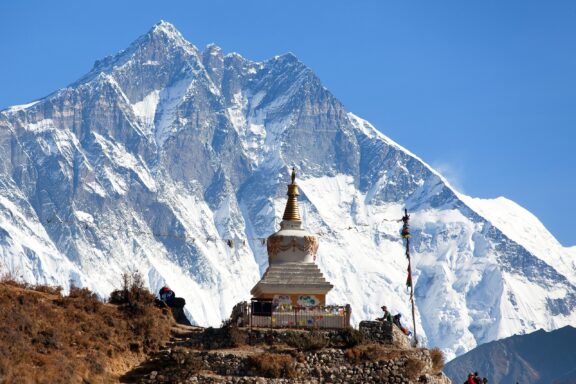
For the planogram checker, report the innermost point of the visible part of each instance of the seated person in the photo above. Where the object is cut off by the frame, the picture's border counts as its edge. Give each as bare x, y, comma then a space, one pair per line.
396, 320
386, 317
167, 296
169, 299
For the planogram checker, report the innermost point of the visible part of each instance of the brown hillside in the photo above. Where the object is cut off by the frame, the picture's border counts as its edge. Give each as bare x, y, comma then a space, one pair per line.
49, 338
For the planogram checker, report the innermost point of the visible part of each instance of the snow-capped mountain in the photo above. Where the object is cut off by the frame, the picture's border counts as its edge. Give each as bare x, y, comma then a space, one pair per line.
174, 161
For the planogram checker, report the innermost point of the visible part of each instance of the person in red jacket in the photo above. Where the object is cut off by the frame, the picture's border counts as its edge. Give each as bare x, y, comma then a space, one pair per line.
470, 379
167, 295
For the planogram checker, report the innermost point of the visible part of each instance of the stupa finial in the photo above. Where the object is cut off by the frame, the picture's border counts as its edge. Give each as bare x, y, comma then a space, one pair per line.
292, 211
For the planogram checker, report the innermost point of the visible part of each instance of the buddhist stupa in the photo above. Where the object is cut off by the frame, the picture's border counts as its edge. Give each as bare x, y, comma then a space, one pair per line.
292, 276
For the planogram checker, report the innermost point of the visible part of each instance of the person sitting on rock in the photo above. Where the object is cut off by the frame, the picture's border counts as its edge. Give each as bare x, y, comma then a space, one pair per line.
396, 320
167, 296
169, 299
387, 317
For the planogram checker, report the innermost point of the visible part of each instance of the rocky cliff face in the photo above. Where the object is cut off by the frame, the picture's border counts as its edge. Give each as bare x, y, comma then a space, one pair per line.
173, 161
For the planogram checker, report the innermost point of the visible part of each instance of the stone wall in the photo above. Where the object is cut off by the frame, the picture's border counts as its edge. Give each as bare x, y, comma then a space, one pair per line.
374, 331
377, 331
325, 366
377, 353
384, 333
226, 337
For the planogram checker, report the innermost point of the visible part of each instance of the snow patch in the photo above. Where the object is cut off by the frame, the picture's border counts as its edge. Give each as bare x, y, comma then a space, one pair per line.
21, 107
145, 109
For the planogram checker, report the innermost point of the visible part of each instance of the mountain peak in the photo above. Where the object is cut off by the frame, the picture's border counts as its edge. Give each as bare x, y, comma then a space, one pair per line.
213, 47
165, 28
161, 43
213, 50
165, 32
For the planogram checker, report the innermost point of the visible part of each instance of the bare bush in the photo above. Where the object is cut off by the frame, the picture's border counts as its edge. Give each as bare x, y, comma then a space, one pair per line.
370, 353
438, 359
11, 276
351, 337
274, 365
413, 368
306, 341
82, 298
49, 289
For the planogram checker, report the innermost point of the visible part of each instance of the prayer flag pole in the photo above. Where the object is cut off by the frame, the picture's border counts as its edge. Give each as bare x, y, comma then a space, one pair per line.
406, 236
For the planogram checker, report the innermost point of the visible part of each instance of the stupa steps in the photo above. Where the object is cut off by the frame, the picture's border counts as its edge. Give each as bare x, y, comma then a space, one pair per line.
278, 274
280, 279
301, 277
296, 266
302, 271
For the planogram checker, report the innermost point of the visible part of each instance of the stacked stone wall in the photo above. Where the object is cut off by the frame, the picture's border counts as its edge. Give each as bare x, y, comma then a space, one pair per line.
327, 366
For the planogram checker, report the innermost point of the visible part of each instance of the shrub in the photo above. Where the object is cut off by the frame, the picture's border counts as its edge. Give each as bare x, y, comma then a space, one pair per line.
274, 365
306, 341
224, 337
46, 339
11, 276
236, 336
51, 290
370, 352
84, 299
351, 337
133, 297
438, 360
233, 335
413, 368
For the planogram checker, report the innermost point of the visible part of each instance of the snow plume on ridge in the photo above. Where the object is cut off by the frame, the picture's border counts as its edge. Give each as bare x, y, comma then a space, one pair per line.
175, 162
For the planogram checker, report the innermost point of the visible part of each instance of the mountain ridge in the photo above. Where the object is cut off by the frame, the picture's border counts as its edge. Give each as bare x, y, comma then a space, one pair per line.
538, 357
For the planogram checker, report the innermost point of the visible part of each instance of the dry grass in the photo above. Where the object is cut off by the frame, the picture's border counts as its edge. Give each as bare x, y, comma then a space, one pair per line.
438, 359
413, 368
273, 365
49, 338
371, 352
351, 337
306, 341
233, 335
237, 337
10, 278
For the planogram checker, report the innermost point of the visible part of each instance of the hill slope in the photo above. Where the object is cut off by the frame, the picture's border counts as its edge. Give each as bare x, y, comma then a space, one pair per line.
49, 338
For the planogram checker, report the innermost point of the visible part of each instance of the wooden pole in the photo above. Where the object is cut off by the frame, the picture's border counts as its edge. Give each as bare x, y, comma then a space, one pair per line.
406, 236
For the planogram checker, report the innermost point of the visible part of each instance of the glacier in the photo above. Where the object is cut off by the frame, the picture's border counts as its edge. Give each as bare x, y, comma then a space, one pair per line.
173, 161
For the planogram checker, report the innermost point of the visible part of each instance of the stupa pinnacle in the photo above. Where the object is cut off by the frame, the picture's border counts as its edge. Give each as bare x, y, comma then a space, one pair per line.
292, 211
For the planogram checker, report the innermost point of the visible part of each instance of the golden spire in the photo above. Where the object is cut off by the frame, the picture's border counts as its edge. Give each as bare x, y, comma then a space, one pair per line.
292, 211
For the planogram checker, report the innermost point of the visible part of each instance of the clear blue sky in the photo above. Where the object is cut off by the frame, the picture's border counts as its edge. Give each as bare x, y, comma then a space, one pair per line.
485, 91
